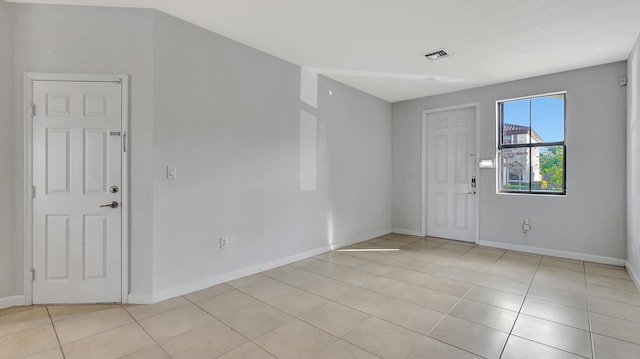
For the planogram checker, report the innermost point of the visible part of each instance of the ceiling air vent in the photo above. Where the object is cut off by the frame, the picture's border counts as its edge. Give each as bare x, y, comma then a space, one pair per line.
433, 56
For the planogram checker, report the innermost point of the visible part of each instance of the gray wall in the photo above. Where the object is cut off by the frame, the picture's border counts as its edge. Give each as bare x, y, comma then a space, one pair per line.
255, 162
8, 284
94, 40
235, 123
633, 162
229, 118
590, 219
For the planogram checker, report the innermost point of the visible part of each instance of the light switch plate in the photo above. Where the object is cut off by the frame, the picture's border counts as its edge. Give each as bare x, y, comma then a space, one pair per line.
172, 172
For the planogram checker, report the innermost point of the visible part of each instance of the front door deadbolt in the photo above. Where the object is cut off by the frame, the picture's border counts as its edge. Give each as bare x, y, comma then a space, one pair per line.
114, 189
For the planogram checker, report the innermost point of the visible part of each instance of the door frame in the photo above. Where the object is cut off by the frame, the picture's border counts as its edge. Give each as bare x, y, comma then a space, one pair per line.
425, 158
29, 78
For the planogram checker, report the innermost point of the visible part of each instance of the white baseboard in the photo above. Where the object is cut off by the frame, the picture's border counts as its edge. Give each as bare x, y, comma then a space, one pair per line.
633, 274
146, 298
407, 232
555, 253
140, 298
13, 301
361, 239
211, 281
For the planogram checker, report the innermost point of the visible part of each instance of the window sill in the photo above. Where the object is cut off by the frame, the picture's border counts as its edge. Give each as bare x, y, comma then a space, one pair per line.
527, 194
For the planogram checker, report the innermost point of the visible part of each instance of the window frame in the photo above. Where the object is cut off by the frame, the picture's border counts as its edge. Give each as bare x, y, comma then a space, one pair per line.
530, 146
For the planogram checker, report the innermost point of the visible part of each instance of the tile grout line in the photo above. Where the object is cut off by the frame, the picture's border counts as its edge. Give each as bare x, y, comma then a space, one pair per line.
614, 300
586, 293
382, 275
441, 319
348, 306
604, 335
425, 336
98, 333
463, 296
55, 331
249, 340
144, 330
328, 260
302, 320
504, 346
278, 309
451, 309
563, 350
460, 300
370, 316
356, 286
32, 307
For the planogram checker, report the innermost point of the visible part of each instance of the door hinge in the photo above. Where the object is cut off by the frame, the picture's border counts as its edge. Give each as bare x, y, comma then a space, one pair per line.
33, 191
124, 141
32, 109
32, 274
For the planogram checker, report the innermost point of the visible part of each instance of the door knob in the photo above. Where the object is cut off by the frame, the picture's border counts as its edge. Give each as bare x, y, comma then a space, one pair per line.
113, 204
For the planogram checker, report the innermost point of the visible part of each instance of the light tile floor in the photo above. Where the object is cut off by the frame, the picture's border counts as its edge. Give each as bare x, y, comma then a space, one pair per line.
427, 298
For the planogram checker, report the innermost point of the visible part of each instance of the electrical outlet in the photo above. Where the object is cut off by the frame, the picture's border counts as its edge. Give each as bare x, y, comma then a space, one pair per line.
224, 242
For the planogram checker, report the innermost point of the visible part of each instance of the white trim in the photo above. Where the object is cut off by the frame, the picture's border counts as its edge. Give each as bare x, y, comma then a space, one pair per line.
632, 274
39, 76
477, 158
532, 194
222, 278
155, 297
29, 78
141, 298
28, 180
423, 174
407, 232
424, 165
554, 252
532, 96
13, 301
358, 239
124, 182
363, 238
498, 167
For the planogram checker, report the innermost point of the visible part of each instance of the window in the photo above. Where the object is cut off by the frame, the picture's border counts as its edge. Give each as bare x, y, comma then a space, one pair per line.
531, 145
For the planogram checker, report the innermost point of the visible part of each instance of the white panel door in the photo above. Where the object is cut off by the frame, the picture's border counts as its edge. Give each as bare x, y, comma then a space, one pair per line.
77, 156
451, 168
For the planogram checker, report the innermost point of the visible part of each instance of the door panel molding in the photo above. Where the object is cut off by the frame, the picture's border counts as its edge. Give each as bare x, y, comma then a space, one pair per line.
27, 121
424, 164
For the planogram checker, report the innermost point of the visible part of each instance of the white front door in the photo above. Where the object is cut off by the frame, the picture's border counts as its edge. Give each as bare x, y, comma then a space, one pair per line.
451, 170
77, 157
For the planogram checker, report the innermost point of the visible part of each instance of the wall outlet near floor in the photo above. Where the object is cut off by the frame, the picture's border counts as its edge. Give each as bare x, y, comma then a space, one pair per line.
224, 242
526, 226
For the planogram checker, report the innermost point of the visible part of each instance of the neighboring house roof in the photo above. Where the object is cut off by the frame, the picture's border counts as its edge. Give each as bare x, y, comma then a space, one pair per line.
511, 129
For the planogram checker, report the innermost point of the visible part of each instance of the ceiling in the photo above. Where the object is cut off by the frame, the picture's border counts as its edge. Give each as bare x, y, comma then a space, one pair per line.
377, 45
